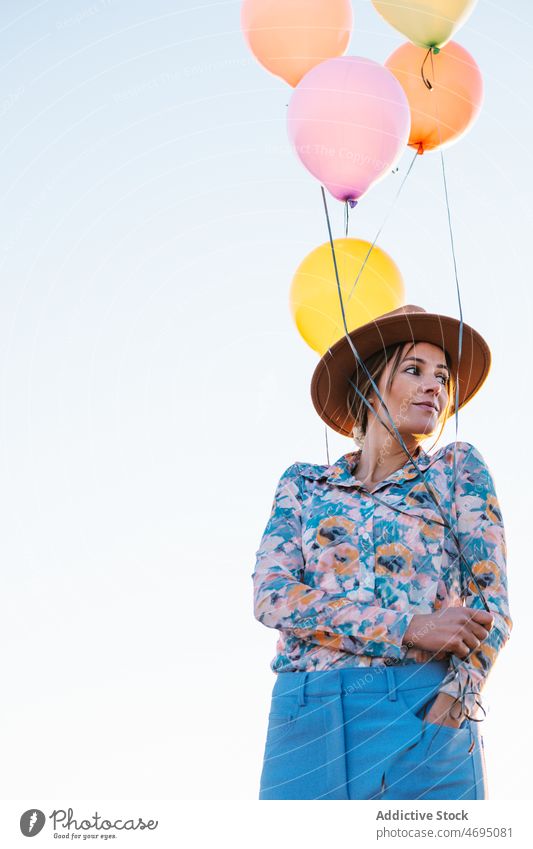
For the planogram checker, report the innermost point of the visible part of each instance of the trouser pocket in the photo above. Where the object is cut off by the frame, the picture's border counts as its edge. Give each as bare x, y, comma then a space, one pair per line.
281, 718
436, 761
295, 759
453, 761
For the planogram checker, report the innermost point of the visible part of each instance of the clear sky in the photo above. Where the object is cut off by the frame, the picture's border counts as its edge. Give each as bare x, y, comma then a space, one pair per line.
154, 387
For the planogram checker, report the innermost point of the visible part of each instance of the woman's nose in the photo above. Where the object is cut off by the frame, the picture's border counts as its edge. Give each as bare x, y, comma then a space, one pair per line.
433, 386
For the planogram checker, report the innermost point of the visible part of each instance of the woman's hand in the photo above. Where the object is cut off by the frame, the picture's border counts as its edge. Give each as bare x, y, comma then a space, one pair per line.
439, 712
457, 630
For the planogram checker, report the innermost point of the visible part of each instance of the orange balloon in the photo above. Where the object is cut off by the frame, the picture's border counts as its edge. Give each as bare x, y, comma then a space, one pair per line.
289, 37
440, 115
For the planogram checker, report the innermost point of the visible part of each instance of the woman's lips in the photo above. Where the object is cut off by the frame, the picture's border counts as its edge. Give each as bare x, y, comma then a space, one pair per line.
425, 406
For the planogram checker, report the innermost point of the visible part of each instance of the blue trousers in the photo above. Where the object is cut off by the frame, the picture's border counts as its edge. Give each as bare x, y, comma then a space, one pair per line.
361, 733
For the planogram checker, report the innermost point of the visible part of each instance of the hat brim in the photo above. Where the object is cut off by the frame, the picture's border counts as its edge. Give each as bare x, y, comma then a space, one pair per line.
330, 382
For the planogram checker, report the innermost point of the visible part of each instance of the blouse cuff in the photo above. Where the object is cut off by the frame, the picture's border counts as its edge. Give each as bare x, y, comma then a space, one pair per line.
459, 683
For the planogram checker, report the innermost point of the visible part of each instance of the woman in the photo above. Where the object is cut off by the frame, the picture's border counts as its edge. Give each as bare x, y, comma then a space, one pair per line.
385, 575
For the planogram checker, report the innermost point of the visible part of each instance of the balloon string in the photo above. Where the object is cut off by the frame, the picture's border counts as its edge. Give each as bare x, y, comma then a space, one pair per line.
383, 224
458, 289
427, 83
346, 218
397, 435
356, 353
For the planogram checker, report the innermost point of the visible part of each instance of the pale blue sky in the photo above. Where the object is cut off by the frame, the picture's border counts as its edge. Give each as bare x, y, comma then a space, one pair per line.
154, 386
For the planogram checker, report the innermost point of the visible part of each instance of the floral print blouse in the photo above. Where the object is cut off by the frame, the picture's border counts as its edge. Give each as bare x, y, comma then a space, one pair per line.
340, 572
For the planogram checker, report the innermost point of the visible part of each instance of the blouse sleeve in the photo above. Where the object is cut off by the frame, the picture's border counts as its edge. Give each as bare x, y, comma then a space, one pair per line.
283, 601
480, 531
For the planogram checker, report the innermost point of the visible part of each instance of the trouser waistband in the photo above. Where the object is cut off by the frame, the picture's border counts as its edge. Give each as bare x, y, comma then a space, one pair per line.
370, 679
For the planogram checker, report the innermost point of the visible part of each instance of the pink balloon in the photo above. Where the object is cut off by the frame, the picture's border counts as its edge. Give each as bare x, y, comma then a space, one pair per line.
349, 120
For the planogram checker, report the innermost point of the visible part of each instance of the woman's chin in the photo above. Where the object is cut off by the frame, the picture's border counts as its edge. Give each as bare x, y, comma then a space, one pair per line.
425, 427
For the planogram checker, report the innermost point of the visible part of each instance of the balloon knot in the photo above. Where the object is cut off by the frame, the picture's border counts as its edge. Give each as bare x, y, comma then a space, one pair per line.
352, 203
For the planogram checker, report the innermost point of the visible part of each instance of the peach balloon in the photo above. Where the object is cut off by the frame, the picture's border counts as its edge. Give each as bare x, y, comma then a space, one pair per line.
444, 113
289, 37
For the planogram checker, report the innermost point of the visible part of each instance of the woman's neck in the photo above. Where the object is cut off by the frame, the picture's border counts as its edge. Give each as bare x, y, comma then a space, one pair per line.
377, 462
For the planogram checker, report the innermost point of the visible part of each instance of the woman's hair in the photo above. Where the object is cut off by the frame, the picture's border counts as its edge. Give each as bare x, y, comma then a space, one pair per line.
376, 364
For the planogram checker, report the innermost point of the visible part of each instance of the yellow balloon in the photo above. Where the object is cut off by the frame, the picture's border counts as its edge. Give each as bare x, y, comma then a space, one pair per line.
314, 295
427, 23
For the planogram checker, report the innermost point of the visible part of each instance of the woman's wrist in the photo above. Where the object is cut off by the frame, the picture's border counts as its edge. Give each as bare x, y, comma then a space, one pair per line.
418, 626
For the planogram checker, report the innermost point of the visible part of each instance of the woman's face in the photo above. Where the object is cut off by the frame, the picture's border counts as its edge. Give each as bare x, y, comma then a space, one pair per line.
418, 396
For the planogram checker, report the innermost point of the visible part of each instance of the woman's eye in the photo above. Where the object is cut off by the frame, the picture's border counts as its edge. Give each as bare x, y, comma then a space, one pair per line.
444, 377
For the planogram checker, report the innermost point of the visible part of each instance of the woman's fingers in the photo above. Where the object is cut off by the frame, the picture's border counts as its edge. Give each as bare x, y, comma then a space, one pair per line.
484, 617
471, 640
461, 649
454, 630
441, 655
478, 631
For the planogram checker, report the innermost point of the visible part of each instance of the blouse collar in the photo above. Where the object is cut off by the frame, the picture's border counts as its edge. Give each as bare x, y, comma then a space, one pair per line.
342, 472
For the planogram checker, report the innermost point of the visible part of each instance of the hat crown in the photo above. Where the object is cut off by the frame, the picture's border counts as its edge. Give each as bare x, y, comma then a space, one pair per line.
405, 309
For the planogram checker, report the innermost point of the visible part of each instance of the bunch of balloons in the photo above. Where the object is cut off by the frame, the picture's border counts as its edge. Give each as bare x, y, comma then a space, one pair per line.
349, 121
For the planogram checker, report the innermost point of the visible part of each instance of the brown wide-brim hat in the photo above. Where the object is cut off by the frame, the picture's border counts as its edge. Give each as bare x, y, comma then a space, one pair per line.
330, 387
